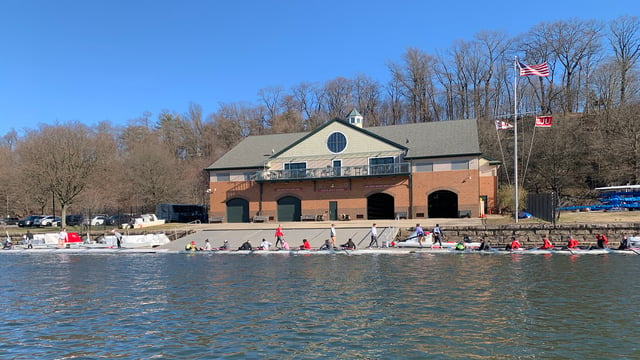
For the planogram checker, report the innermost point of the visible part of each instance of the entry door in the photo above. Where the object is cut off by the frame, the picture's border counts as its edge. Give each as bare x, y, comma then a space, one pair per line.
333, 210
337, 167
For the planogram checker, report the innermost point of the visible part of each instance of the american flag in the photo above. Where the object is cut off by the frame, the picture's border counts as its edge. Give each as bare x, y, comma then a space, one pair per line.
503, 125
539, 70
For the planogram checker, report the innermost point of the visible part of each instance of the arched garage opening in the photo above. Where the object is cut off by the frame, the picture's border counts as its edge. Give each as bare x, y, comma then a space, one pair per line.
237, 210
289, 209
443, 204
380, 206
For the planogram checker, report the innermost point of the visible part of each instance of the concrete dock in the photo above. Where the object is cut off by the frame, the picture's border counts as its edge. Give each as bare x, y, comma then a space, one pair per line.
316, 232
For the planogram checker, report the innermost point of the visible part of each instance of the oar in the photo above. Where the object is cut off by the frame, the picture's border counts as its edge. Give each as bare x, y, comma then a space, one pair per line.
632, 249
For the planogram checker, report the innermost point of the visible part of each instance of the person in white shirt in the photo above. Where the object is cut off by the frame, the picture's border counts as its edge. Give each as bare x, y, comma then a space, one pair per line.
374, 236
265, 244
207, 245
333, 236
62, 237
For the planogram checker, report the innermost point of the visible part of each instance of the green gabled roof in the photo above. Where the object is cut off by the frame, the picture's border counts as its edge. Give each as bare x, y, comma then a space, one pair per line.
254, 151
353, 112
434, 139
421, 140
386, 140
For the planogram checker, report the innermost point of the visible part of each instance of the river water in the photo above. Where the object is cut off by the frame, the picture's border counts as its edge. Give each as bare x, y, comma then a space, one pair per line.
412, 306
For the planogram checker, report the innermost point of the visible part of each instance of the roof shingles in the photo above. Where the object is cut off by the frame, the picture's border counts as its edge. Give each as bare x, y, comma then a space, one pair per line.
423, 140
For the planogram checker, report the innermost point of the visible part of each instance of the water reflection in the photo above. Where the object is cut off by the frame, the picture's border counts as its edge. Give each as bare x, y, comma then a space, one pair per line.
414, 306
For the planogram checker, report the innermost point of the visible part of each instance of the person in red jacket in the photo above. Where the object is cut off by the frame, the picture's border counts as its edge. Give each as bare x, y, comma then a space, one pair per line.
572, 243
305, 245
515, 244
602, 241
546, 243
279, 235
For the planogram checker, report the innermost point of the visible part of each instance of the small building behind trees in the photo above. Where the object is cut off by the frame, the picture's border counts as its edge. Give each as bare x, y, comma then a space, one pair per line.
183, 213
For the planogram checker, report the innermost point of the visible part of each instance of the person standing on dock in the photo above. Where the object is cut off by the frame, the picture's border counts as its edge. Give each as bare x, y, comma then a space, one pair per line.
332, 235
62, 237
437, 235
374, 236
118, 237
420, 234
279, 235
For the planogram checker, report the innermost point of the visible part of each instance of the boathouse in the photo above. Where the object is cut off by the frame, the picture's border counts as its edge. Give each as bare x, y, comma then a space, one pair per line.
343, 171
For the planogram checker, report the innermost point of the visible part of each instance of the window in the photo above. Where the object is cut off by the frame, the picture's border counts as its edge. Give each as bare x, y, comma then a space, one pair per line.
383, 165
424, 167
295, 170
460, 165
336, 142
223, 176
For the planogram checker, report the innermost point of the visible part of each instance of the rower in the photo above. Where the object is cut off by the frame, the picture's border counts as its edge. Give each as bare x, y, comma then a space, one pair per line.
515, 244
546, 244
624, 243
602, 241
484, 245
572, 243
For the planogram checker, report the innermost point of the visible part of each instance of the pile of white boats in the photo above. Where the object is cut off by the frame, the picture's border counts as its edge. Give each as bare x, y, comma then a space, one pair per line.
48, 242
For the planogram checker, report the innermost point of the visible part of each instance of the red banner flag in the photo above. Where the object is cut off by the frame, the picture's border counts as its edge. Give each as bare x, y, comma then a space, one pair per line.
544, 121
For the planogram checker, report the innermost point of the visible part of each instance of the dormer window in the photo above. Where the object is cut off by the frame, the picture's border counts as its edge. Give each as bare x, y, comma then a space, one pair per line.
336, 142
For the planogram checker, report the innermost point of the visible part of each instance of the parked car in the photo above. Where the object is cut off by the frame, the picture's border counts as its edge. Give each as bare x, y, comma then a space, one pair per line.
74, 219
49, 220
120, 219
9, 221
97, 220
29, 220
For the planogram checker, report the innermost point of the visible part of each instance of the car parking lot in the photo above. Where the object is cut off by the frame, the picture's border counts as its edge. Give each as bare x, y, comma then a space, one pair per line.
9, 221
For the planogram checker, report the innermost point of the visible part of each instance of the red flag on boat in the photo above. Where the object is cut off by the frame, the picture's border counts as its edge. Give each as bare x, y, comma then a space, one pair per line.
503, 125
544, 121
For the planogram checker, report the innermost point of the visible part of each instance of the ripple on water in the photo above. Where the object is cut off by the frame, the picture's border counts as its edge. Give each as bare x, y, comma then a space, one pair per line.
189, 307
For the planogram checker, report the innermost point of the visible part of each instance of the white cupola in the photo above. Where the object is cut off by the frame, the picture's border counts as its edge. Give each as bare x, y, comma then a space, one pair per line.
354, 118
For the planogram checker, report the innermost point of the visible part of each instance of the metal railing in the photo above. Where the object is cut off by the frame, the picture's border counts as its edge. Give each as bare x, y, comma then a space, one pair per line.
334, 172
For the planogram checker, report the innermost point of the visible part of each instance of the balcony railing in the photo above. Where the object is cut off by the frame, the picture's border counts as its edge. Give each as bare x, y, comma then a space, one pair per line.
334, 172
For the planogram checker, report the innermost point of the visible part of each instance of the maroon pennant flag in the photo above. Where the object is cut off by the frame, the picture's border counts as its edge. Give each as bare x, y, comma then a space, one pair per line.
544, 121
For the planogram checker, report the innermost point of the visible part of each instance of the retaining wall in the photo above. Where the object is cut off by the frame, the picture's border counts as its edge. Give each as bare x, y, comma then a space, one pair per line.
531, 234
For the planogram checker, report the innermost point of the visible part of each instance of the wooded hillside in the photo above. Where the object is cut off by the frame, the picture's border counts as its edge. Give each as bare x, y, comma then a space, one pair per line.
593, 93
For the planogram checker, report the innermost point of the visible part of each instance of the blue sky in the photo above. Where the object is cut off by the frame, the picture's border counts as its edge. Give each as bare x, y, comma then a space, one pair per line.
113, 60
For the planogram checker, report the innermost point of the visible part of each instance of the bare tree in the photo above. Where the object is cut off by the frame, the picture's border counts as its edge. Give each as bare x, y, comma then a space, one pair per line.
290, 120
624, 38
310, 101
63, 158
415, 75
154, 174
573, 42
337, 96
271, 98
366, 95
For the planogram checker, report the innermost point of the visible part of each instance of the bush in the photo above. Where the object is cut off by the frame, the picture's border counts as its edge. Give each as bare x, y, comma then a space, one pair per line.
505, 198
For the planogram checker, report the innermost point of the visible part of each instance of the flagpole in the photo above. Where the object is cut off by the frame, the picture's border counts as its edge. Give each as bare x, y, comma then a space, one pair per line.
515, 139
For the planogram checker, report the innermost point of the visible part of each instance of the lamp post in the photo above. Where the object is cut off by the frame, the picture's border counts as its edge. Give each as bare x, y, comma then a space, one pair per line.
207, 202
